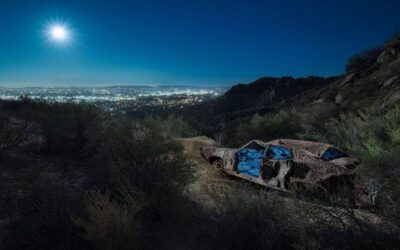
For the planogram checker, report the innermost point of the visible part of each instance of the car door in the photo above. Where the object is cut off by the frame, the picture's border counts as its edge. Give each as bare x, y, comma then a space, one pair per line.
229, 159
249, 161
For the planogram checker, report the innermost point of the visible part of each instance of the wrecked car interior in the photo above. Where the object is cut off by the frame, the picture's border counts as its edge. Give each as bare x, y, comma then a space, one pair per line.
294, 166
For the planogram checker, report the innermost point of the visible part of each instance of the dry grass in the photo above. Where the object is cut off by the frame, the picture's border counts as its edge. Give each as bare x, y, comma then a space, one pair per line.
110, 224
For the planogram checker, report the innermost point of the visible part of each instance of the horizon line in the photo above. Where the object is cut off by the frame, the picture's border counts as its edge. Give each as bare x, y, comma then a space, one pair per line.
34, 85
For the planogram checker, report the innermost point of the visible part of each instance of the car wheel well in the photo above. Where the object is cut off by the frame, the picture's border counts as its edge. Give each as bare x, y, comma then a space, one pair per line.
212, 159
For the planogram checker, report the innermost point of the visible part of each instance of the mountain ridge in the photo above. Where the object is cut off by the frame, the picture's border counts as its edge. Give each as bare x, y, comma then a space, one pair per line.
371, 80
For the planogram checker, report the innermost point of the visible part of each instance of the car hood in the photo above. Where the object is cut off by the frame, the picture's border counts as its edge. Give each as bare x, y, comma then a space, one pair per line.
349, 162
208, 152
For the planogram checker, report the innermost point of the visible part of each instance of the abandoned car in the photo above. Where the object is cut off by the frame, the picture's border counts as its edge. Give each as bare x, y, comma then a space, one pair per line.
295, 166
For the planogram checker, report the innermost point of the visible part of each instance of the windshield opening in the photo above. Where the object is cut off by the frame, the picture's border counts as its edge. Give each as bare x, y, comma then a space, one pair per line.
333, 153
278, 153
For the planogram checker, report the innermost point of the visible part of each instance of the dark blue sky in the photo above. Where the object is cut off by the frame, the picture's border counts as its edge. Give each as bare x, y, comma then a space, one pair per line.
187, 41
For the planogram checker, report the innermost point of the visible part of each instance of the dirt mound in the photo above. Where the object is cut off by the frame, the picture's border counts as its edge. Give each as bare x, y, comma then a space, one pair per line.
207, 180
192, 147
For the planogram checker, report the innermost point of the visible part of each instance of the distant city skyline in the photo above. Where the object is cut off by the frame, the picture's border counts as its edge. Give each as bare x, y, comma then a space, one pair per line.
211, 43
100, 85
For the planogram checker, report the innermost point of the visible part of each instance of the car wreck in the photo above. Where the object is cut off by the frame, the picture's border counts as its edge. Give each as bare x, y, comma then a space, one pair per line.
295, 166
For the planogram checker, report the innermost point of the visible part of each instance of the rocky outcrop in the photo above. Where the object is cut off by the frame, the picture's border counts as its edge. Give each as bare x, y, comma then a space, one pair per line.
391, 81
348, 78
386, 56
340, 98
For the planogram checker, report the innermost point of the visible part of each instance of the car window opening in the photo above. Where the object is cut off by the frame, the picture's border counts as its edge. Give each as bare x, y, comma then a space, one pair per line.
249, 161
278, 153
332, 153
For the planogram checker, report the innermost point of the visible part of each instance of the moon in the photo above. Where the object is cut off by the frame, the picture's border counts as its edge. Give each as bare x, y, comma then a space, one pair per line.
58, 33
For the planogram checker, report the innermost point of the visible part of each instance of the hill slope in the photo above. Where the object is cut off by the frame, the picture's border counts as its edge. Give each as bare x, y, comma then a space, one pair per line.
376, 84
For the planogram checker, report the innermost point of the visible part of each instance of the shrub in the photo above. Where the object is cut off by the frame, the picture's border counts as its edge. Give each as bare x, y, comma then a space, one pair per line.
304, 123
364, 60
110, 224
38, 211
13, 133
84, 149
172, 126
64, 128
268, 127
325, 227
241, 220
371, 131
374, 135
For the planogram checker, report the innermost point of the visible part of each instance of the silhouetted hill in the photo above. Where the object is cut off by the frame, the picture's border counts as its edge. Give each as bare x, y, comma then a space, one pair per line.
266, 93
372, 79
376, 85
263, 95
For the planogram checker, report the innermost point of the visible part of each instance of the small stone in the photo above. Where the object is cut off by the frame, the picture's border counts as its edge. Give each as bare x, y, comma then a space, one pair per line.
340, 98
390, 81
386, 56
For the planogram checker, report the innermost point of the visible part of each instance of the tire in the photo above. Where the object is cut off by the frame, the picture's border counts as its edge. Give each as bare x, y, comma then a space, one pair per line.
218, 164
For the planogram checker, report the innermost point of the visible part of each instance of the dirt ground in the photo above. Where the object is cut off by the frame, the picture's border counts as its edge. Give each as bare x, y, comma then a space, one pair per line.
206, 178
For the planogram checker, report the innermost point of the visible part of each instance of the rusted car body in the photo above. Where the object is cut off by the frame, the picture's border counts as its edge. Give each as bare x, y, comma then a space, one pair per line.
293, 166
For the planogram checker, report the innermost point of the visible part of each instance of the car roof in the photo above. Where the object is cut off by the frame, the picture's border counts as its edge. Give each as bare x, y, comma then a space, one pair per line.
315, 148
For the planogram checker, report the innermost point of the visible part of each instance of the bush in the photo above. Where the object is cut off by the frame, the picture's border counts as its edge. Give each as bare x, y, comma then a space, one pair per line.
374, 135
38, 206
306, 123
63, 129
110, 224
363, 61
13, 133
173, 126
279, 125
83, 149
242, 220
324, 227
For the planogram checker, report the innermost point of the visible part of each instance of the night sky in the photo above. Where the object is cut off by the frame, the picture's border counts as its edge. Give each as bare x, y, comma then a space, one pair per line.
185, 42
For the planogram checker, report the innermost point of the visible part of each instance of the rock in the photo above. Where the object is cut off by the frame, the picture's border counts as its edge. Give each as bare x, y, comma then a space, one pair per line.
319, 101
395, 98
390, 81
386, 56
340, 98
347, 79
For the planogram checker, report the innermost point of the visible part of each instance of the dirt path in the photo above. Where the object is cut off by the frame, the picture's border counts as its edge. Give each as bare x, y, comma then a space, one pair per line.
206, 178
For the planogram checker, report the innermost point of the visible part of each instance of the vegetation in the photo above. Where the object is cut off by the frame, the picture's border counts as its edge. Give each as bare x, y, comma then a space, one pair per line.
364, 60
74, 177
75, 174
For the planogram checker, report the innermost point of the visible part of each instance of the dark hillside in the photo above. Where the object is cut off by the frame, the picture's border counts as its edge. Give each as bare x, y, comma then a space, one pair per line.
263, 95
74, 177
372, 80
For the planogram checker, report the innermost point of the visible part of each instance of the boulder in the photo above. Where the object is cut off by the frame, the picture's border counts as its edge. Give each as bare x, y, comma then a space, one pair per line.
340, 98
348, 78
386, 56
390, 81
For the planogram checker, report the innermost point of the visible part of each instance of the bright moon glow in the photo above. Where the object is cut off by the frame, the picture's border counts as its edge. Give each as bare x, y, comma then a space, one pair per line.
58, 33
